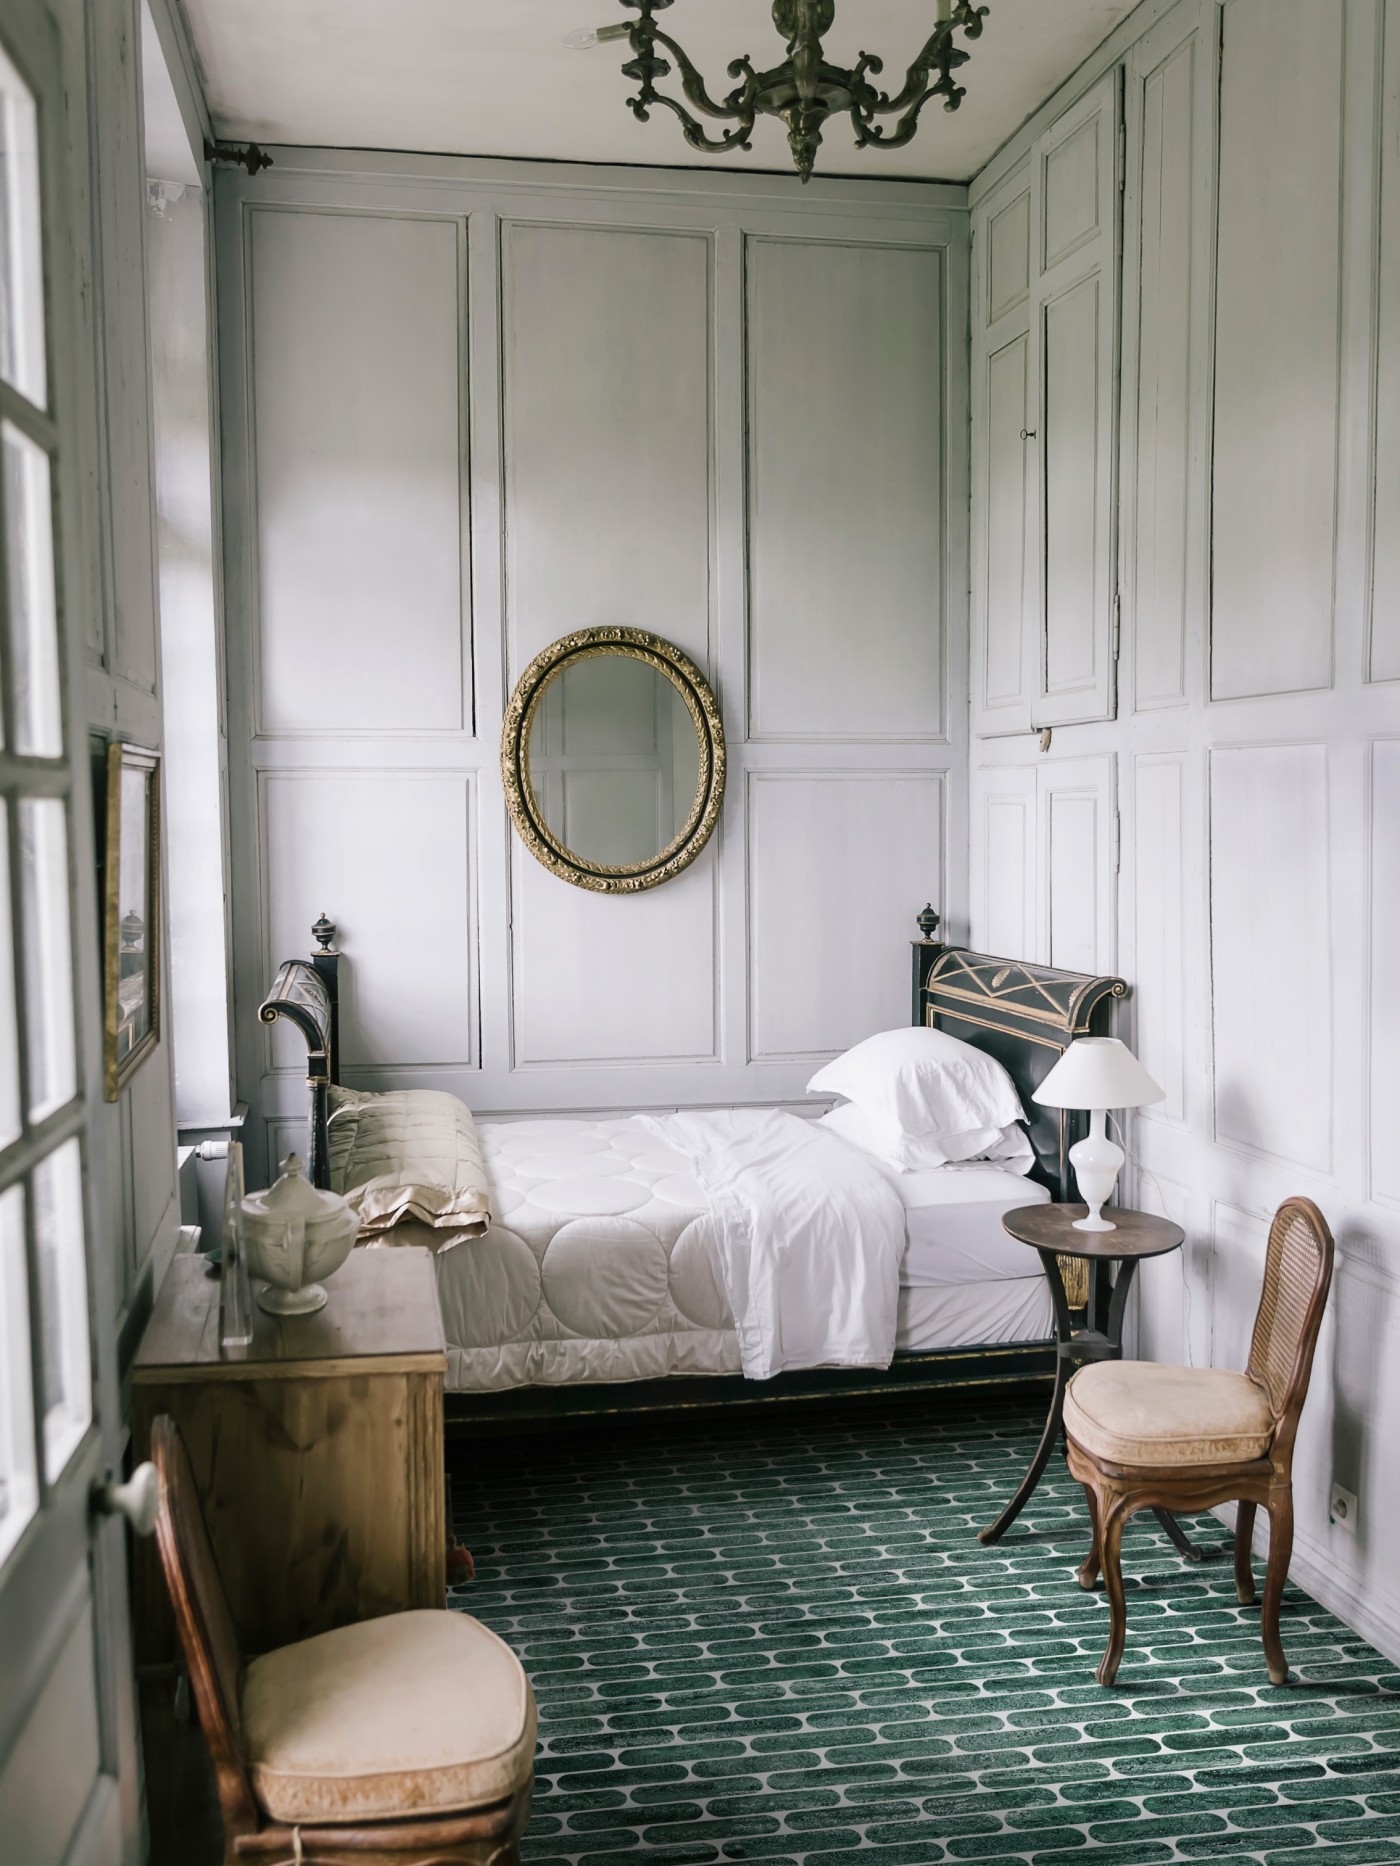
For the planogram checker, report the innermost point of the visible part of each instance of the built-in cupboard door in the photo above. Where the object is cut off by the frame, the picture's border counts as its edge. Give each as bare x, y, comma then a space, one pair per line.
1006, 648
1075, 168
67, 1769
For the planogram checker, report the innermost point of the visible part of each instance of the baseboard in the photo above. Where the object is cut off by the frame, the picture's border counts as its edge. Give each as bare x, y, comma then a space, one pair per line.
1313, 1570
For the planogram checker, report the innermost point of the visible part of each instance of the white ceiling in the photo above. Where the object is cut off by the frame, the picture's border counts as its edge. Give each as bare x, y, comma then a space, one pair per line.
493, 77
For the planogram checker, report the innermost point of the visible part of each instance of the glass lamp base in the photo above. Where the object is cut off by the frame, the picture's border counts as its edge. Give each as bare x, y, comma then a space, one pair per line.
1094, 1222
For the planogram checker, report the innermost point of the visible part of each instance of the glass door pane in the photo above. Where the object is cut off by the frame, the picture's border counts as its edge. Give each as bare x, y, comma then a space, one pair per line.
62, 1250
9, 1027
33, 606
22, 360
48, 955
19, 1489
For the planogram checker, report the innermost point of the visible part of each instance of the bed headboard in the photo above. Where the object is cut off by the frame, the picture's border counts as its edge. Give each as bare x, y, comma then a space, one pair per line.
307, 993
1024, 1015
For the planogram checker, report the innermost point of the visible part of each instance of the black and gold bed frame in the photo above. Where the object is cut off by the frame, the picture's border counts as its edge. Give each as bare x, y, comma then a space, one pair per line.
1024, 1015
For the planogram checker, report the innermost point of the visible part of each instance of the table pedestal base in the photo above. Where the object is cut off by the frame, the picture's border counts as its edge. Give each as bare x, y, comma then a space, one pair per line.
1076, 1348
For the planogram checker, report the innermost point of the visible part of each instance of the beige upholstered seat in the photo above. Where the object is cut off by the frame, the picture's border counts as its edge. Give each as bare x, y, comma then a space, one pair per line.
1142, 1414
403, 1741
415, 1713
1140, 1436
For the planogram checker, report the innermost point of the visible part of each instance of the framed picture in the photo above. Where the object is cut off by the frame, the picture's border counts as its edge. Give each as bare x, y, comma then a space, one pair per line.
130, 914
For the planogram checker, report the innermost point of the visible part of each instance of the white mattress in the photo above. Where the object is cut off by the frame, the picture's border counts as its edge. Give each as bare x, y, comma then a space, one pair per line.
600, 1263
965, 1315
953, 1221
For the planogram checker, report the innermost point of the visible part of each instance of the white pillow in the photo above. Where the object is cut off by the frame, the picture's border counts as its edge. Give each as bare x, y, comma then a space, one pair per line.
924, 1082
882, 1140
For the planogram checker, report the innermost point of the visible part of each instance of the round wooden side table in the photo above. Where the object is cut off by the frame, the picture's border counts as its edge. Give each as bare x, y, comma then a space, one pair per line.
1049, 1230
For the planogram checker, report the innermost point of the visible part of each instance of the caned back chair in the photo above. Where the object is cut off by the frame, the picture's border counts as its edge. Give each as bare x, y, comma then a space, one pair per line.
223, 1686
1186, 1439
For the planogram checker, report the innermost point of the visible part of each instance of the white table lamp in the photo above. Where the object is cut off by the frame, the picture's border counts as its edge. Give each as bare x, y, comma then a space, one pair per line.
1097, 1073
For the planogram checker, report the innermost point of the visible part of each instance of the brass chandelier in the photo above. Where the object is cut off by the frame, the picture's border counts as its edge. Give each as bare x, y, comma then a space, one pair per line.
804, 90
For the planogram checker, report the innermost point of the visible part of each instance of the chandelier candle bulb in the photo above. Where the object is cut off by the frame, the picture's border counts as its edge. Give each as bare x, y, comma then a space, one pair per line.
587, 37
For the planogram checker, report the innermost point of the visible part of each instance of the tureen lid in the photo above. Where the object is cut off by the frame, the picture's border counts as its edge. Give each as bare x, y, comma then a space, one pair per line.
292, 1197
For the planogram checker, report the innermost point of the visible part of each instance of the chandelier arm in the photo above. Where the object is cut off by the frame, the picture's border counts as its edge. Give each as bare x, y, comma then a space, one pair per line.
869, 134
738, 104
692, 130
939, 53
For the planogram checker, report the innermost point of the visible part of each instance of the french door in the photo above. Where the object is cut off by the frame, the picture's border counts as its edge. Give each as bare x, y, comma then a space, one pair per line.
67, 1774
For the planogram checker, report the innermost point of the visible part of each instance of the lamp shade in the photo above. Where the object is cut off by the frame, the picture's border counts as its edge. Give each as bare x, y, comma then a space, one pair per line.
1098, 1072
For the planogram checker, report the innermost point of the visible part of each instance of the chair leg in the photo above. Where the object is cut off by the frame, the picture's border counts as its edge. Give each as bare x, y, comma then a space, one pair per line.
1110, 1553
1280, 1551
1089, 1568
1244, 1549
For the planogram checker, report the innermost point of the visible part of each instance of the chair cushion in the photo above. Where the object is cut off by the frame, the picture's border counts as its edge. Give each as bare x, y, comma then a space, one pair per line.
416, 1713
1142, 1413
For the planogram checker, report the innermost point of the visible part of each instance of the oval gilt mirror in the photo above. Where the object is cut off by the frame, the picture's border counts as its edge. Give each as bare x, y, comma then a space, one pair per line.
612, 755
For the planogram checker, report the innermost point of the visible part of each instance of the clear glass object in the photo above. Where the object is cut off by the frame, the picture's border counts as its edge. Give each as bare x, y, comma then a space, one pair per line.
48, 955
33, 601
19, 1487
61, 1248
235, 1290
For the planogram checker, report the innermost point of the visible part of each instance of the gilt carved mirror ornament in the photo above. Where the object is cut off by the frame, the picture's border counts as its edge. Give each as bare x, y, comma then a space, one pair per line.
612, 756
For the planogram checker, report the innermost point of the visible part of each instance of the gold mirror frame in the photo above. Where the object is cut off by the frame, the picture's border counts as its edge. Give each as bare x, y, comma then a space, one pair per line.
634, 644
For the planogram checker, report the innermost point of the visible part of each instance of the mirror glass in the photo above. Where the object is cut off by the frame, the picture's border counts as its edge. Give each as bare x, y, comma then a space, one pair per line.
613, 760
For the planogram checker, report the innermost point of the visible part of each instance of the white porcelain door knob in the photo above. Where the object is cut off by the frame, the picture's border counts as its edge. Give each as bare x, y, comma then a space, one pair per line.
138, 1499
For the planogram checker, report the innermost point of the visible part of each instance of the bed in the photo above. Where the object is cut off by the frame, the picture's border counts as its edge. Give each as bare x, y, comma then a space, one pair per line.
597, 1287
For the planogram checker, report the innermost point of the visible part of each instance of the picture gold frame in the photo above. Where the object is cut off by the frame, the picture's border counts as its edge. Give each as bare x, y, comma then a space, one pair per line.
131, 896
524, 808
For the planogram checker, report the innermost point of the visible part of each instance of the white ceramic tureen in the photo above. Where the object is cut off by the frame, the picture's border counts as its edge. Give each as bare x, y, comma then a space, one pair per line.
295, 1235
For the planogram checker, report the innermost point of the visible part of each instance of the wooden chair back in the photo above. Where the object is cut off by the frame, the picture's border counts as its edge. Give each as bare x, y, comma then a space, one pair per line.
1297, 1276
203, 1620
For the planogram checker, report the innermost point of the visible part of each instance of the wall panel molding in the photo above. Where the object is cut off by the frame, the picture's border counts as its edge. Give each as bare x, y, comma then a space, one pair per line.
846, 470
1271, 950
1277, 350
409, 993
833, 860
1383, 613
1003, 862
1160, 296
1384, 899
607, 432
1160, 870
356, 473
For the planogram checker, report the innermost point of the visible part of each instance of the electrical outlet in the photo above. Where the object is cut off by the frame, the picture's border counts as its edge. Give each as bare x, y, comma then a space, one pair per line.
1342, 1510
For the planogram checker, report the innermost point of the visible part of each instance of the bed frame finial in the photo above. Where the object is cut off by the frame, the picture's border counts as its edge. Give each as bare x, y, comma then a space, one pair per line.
929, 922
323, 932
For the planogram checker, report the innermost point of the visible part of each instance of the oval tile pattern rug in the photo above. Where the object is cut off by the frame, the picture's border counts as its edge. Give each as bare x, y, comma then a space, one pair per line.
777, 1638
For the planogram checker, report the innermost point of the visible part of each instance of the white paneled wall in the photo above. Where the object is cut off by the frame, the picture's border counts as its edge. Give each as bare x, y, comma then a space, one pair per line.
1255, 759
846, 473
470, 407
805, 828
356, 475
608, 399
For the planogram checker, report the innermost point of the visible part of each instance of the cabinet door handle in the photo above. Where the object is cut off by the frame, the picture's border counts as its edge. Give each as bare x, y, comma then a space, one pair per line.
1027, 434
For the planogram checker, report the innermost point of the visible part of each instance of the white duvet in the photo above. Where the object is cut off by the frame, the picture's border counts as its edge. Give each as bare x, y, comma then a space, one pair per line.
603, 1263
809, 1234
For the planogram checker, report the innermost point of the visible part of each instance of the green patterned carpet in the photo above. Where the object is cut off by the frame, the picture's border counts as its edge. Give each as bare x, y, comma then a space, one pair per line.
778, 1639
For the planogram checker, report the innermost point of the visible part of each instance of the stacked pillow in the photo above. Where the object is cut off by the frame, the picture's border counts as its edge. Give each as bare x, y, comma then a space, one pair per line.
919, 1099
408, 1164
